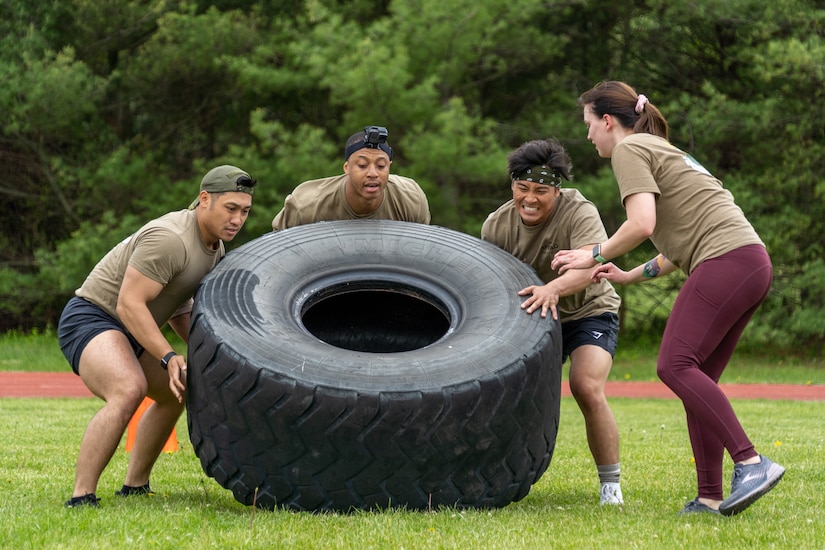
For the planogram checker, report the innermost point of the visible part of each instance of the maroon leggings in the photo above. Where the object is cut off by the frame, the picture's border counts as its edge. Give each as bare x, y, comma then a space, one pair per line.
710, 313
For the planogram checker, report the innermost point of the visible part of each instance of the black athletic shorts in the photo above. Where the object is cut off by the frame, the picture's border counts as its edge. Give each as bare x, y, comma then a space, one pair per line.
81, 321
601, 330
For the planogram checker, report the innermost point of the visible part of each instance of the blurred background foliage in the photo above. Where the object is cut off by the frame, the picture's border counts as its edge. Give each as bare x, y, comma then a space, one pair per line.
113, 109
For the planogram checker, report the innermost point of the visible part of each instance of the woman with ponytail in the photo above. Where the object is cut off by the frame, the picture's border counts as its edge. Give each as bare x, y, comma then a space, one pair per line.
694, 223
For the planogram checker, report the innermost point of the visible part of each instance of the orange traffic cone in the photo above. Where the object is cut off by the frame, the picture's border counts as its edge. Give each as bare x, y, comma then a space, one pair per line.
171, 444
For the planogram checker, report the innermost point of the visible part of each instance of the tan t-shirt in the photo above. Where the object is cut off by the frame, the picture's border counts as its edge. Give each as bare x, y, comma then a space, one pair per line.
574, 223
168, 250
325, 200
696, 218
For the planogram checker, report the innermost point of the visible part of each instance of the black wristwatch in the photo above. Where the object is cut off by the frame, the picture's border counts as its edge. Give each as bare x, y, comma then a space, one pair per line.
164, 363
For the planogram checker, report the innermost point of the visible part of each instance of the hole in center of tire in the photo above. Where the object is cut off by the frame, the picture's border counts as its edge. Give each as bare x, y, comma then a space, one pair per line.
378, 320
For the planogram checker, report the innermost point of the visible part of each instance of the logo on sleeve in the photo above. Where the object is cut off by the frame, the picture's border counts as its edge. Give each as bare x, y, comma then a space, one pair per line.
693, 163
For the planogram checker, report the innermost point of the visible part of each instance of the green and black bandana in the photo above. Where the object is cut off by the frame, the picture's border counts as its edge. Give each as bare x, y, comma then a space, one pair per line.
539, 174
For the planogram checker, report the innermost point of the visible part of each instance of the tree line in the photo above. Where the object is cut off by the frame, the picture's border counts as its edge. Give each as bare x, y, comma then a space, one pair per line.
113, 109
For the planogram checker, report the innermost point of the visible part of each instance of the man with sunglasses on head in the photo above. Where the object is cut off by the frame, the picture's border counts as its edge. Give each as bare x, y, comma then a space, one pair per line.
366, 189
110, 331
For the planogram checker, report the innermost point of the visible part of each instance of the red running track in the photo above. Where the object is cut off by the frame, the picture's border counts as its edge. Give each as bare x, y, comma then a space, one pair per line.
68, 384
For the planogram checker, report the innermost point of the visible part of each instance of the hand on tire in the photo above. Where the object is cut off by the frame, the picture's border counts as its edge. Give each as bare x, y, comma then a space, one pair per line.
177, 376
540, 297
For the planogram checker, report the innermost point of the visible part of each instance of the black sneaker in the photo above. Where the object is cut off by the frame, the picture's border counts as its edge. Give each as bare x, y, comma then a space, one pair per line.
696, 507
128, 490
750, 482
86, 500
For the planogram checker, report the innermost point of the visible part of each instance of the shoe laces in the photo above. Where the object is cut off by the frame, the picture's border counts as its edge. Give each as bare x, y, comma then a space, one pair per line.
609, 494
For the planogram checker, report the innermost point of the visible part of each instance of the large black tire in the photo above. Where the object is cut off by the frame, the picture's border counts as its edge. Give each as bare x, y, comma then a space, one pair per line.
372, 364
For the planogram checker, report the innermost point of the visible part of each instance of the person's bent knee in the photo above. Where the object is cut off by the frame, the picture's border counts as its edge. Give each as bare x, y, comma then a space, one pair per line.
665, 373
126, 402
589, 393
133, 393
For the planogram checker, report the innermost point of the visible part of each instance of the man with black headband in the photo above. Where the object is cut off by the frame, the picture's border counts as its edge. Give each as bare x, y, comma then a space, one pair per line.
541, 219
366, 189
110, 330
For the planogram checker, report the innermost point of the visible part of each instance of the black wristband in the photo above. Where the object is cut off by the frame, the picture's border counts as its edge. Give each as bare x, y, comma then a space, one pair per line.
164, 363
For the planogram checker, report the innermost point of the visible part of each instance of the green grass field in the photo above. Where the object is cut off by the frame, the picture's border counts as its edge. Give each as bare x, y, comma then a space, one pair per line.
40, 439
40, 353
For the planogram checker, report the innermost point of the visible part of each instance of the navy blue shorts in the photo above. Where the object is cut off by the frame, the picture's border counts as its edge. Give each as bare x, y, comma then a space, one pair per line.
81, 321
601, 330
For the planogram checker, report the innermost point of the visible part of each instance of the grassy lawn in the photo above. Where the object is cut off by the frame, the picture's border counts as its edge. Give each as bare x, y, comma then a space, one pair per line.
745, 367
40, 439
40, 353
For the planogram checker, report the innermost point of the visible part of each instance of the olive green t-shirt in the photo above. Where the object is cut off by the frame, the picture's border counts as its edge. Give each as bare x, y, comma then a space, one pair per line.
325, 200
169, 250
696, 218
574, 223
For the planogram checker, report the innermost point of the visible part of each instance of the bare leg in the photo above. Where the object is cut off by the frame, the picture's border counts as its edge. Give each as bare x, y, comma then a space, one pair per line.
111, 371
589, 368
155, 425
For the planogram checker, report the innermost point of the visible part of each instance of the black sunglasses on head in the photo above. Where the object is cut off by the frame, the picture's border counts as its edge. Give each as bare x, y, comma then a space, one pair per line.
244, 182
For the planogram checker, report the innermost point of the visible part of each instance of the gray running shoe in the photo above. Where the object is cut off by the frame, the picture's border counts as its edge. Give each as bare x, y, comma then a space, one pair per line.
696, 507
750, 482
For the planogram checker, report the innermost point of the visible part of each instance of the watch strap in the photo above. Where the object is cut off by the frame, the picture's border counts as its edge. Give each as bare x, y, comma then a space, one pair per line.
164, 363
597, 254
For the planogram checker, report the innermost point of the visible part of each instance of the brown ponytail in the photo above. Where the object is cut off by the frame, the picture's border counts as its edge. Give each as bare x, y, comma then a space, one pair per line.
620, 101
